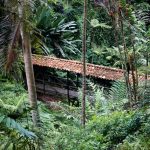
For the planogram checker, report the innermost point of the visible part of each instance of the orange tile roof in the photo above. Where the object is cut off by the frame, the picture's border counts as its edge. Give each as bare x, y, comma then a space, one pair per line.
98, 71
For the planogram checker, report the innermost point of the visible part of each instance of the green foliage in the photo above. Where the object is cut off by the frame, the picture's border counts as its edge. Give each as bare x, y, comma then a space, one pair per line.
12, 97
58, 33
12, 124
112, 130
140, 140
103, 132
95, 23
105, 128
12, 106
122, 3
109, 123
118, 91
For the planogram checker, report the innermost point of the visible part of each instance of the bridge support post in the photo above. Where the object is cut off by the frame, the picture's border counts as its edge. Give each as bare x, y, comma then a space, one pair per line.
44, 81
68, 87
77, 81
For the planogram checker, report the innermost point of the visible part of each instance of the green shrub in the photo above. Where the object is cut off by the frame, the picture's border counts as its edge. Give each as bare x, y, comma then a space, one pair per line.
105, 132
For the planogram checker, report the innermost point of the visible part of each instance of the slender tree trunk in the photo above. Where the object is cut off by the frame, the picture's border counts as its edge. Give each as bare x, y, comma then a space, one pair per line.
134, 66
126, 75
115, 21
26, 45
84, 63
146, 73
135, 73
118, 20
92, 32
134, 83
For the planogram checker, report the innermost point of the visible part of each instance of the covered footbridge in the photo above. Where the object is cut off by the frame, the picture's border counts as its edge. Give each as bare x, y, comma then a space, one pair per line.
56, 86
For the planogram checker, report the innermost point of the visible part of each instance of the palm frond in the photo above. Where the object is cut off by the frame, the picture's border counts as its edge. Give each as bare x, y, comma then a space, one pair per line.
11, 57
5, 36
12, 124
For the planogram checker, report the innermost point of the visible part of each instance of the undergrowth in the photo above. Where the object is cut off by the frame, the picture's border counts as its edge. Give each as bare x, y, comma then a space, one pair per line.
109, 126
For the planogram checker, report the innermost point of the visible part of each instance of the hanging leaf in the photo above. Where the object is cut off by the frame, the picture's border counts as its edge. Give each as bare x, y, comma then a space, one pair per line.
109, 57
95, 23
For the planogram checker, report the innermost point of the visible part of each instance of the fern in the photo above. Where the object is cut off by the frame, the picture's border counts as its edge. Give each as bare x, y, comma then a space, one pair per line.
13, 135
144, 93
12, 108
96, 102
12, 98
118, 91
143, 12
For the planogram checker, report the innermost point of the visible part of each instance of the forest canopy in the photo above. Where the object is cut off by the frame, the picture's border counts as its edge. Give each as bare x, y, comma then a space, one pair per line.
55, 60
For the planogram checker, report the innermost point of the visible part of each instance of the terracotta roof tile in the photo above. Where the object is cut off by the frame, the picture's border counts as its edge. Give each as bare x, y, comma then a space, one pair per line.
98, 71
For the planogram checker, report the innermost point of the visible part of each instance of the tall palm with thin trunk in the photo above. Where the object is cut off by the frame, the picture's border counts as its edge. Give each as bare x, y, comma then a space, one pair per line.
30, 76
22, 30
84, 63
26, 46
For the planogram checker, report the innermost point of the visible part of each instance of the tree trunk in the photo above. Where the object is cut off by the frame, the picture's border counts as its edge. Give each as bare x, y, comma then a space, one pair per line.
26, 45
126, 74
84, 63
134, 66
30, 78
146, 73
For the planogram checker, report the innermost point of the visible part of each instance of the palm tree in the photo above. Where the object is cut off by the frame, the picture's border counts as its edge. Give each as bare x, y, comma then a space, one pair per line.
84, 63
21, 9
26, 46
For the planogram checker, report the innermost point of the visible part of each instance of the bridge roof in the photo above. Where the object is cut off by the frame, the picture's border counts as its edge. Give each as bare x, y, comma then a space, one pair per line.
98, 71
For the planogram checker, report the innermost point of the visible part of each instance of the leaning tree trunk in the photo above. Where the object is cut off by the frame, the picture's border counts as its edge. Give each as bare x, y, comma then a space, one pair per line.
84, 63
26, 45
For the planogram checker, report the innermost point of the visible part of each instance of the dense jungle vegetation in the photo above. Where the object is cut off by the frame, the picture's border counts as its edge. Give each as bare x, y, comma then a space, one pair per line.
114, 33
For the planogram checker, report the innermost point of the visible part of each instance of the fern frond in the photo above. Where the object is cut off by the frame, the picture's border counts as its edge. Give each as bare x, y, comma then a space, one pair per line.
118, 91
13, 108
